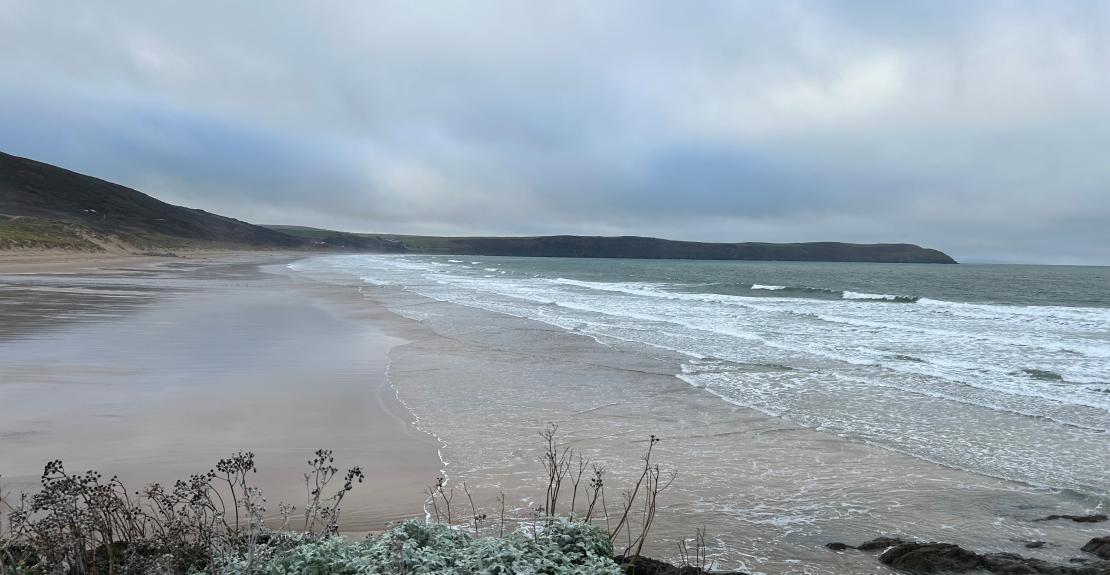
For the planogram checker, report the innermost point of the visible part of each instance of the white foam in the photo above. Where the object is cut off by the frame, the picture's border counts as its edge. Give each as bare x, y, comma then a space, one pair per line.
971, 356
871, 296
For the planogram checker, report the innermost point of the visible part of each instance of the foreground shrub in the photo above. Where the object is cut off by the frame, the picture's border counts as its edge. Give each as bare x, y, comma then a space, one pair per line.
562, 547
213, 523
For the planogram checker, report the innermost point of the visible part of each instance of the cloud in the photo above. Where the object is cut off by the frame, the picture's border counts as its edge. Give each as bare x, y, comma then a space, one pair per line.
975, 128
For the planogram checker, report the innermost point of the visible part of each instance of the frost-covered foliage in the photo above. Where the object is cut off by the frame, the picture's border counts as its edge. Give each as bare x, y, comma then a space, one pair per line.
563, 547
215, 523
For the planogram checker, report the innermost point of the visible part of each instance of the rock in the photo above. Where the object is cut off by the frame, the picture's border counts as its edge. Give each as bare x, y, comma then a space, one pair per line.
951, 558
930, 558
1097, 568
1095, 518
645, 566
1099, 546
1014, 564
880, 543
1008, 564
649, 566
875, 544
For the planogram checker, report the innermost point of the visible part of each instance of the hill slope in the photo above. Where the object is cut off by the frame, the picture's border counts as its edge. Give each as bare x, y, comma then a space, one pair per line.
44, 206
48, 206
653, 248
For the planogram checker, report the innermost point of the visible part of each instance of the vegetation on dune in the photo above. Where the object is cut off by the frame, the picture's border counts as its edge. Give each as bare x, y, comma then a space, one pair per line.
33, 233
212, 523
37, 233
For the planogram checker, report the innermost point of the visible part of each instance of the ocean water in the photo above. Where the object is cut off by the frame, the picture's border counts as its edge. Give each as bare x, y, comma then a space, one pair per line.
998, 370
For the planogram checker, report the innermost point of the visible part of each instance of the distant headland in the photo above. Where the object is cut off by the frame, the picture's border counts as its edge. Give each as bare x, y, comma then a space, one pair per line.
47, 207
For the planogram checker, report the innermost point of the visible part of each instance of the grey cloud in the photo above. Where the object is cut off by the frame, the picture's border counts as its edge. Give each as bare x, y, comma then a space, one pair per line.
978, 128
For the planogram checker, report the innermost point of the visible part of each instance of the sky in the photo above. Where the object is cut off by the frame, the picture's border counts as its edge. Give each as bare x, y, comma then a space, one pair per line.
980, 128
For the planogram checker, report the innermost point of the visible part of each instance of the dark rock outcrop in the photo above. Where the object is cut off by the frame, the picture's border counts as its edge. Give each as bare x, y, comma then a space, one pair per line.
1096, 518
1099, 546
950, 558
648, 566
1014, 564
879, 543
930, 558
875, 544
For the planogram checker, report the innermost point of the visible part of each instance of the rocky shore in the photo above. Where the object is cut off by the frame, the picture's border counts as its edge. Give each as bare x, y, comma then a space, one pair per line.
932, 557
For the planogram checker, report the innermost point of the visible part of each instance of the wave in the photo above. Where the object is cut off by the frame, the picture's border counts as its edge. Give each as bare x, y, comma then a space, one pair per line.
842, 294
1082, 319
878, 297
943, 368
667, 290
907, 357
1042, 374
798, 290
901, 364
992, 343
631, 288
844, 317
991, 311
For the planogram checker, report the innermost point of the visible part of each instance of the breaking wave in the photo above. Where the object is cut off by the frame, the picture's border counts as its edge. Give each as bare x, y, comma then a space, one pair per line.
879, 297
826, 293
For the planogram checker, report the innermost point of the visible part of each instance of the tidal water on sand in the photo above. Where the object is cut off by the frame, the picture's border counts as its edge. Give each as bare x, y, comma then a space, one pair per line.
973, 397
154, 373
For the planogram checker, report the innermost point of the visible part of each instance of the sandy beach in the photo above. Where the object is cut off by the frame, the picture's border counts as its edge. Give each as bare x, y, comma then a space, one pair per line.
155, 368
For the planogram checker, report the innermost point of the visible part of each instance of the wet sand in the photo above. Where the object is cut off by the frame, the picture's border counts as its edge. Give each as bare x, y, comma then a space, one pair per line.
154, 369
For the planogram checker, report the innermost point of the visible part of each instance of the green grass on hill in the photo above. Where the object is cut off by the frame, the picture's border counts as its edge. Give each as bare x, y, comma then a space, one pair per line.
37, 233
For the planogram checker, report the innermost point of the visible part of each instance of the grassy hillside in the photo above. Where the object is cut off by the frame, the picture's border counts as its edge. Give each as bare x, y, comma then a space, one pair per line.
48, 206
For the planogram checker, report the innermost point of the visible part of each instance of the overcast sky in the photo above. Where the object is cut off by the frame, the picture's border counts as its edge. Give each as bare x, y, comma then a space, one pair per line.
979, 128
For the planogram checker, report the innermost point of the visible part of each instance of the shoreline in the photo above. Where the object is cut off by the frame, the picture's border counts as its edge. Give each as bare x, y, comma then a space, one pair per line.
771, 493
35, 262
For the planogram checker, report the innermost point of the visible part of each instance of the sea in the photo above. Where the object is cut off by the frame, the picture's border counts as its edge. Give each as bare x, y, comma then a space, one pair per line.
1002, 370
995, 371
